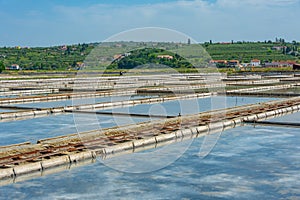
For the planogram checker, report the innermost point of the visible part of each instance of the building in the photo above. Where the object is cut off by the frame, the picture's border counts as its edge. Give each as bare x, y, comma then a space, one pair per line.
165, 56
278, 48
279, 64
64, 47
271, 64
225, 63
286, 63
255, 63
13, 67
233, 63
218, 61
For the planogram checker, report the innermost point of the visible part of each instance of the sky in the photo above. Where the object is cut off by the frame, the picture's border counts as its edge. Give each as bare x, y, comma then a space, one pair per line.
58, 22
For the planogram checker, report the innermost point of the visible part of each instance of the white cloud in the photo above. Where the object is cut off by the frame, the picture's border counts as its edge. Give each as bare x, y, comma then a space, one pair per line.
222, 20
257, 2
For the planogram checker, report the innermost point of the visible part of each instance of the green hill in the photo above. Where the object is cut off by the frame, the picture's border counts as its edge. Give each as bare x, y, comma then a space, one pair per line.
45, 58
71, 56
150, 58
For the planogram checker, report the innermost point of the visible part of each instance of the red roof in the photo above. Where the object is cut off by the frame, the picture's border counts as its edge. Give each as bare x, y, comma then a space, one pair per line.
218, 61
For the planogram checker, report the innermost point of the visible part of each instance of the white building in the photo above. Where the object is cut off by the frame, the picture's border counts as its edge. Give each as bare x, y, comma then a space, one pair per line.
165, 56
14, 67
255, 63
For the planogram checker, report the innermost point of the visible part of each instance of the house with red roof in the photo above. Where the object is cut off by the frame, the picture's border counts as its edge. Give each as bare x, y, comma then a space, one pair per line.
218, 61
255, 63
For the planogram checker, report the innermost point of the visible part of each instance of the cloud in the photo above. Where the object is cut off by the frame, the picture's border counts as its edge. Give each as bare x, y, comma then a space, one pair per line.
219, 20
263, 3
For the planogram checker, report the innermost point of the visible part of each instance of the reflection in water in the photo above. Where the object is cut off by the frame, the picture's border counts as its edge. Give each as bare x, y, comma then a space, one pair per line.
247, 163
52, 126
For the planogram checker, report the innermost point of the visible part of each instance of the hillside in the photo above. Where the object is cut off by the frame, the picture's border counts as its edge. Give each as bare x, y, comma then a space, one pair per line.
46, 58
149, 58
72, 56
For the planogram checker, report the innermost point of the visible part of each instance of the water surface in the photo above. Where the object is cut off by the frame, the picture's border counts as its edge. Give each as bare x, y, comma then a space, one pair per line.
247, 163
55, 125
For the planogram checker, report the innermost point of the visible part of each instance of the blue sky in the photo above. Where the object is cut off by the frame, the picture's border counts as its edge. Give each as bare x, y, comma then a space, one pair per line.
56, 22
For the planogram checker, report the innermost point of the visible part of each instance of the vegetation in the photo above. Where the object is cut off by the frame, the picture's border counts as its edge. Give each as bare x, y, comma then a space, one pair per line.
245, 52
71, 57
150, 58
2, 66
46, 58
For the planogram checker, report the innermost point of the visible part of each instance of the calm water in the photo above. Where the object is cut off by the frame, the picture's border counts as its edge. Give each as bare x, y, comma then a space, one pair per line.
55, 125
247, 163
71, 102
6, 110
191, 106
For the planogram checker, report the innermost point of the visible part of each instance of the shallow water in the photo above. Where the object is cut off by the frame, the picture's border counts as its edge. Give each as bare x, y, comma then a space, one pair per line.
62, 103
294, 118
51, 126
246, 163
6, 110
190, 106
55, 125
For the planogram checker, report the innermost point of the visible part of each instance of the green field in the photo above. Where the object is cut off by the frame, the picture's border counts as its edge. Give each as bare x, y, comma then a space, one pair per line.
248, 51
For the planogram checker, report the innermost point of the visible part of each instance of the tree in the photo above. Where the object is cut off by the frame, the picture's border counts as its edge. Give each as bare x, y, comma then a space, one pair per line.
2, 66
294, 42
287, 50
